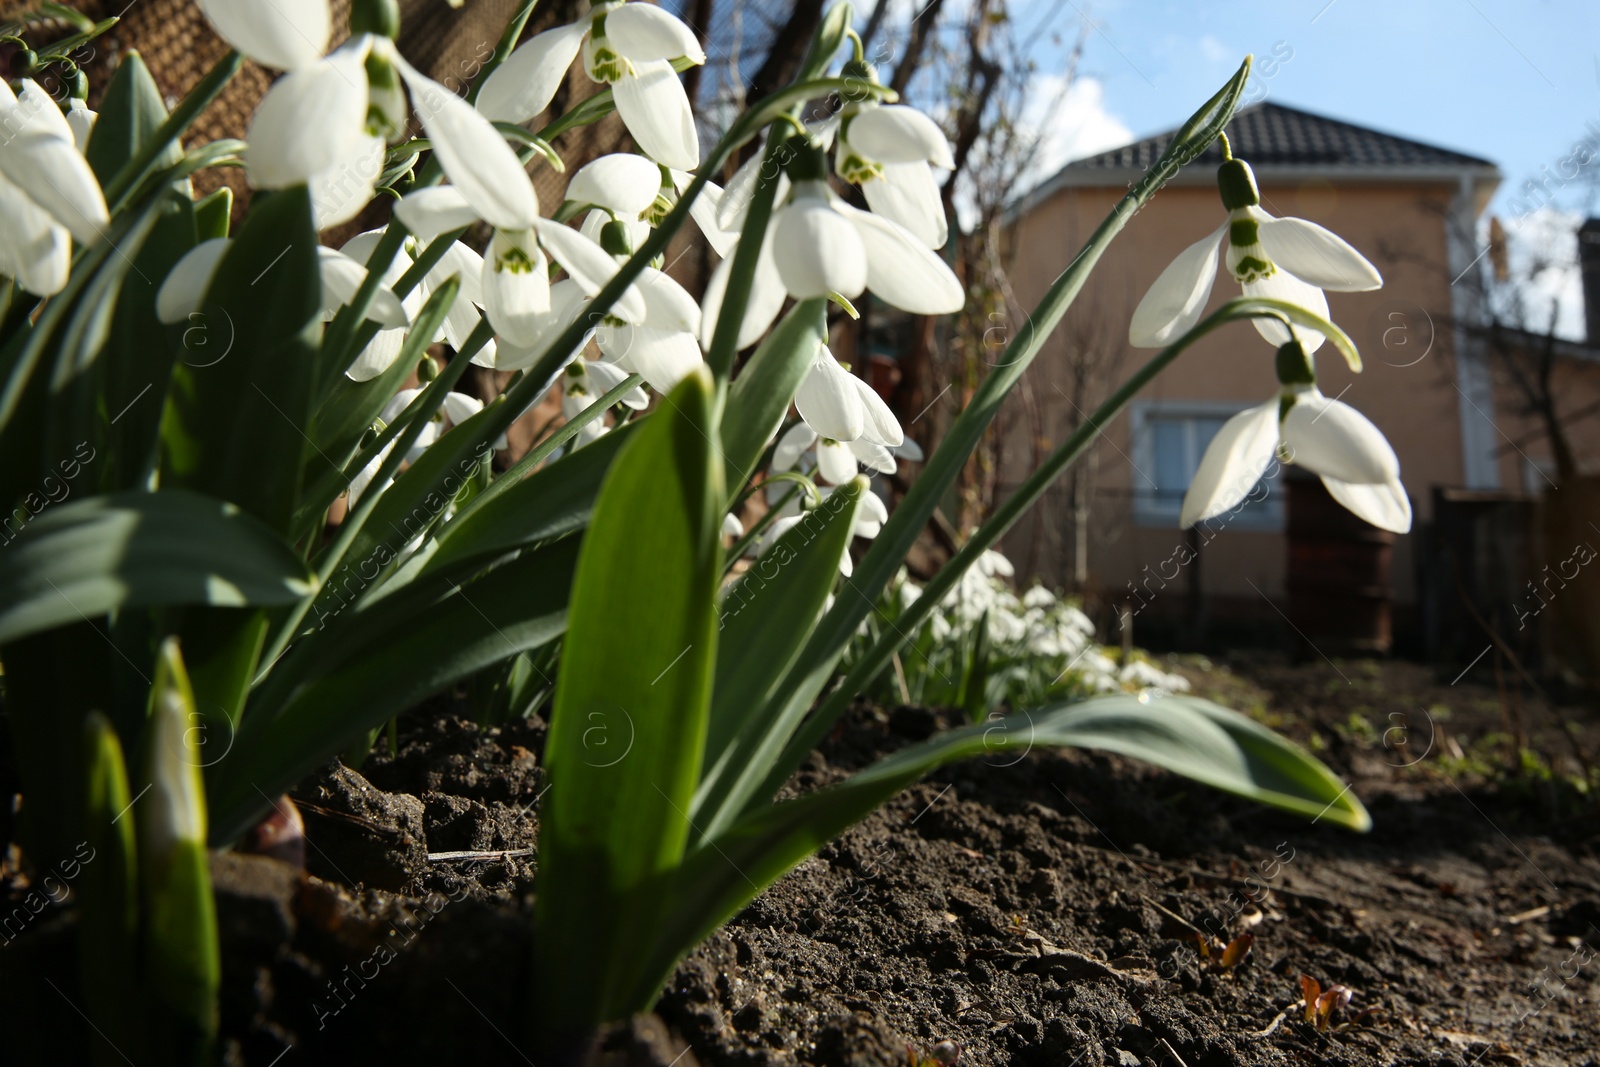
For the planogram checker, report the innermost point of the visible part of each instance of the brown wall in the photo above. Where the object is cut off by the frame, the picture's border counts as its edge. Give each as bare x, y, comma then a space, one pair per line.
1402, 330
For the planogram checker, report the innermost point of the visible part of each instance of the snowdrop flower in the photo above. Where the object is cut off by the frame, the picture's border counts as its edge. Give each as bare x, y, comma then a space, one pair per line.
513, 280
1286, 258
48, 192
81, 119
1300, 425
836, 461
842, 406
891, 152
282, 34
631, 189
325, 122
818, 245
629, 47
661, 344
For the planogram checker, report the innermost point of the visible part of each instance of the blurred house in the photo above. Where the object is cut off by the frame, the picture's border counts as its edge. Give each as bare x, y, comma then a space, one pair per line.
1435, 382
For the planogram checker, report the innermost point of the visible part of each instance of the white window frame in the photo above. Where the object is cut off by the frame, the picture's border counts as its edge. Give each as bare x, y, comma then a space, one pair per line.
1266, 516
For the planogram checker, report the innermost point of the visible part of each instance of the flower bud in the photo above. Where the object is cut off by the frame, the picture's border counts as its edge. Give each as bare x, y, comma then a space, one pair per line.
1237, 184
427, 370
615, 240
1294, 365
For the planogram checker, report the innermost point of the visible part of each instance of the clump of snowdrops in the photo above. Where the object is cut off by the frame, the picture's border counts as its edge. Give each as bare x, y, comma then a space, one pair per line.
185, 633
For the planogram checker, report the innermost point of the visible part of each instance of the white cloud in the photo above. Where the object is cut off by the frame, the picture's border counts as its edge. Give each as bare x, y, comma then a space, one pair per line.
1070, 125
1215, 51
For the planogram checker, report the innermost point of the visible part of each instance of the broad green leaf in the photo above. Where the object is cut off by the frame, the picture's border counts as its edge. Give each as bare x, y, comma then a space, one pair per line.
86, 558
104, 877
137, 362
130, 113
631, 705
761, 395
1185, 735
765, 618
236, 419
180, 956
379, 663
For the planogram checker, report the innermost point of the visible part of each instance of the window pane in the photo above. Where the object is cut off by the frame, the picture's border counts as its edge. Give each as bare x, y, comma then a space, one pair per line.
1172, 471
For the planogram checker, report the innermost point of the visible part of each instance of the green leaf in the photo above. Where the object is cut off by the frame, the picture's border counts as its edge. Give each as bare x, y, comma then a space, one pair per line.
213, 214
236, 419
124, 550
629, 721
973, 697
106, 886
825, 44
761, 395
372, 664
765, 619
1185, 735
131, 111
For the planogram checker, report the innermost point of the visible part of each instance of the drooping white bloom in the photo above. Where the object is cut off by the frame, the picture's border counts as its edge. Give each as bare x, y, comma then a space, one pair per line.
453, 410
283, 34
836, 461
891, 151
81, 119
1285, 258
628, 46
662, 344
324, 124
817, 244
842, 406
1327, 437
43, 171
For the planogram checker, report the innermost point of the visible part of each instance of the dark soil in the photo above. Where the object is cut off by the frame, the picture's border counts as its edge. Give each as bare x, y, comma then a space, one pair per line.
1039, 913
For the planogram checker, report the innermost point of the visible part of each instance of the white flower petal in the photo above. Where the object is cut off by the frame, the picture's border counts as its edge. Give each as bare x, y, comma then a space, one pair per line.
641, 32
607, 377
732, 527
35, 250
663, 357
342, 277
339, 193
378, 356
460, 261
908, 195
872, 455
621, 182
588, 265
896, 133
909, 450
1233, 463
655, 108
459, 407
902, 271
766, 299
1179, 295
516, 288
1386, 506
82, 120
527, 81
184, 288
828, 401
1335, 440
1317, 255
1281, 285
835, 462
437, 209
667, 305
33, 111
791, 446
474, 155
817, 250
881, 425
309, 120
704, 212
285, 34
567, 303
56, 177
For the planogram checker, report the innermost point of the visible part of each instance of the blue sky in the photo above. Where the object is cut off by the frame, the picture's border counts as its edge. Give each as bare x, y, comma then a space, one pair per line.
1513, 81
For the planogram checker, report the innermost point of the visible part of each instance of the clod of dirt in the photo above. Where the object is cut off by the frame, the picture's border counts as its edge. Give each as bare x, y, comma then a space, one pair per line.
363, 836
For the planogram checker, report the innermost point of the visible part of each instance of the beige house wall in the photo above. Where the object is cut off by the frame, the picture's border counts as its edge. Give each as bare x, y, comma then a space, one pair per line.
1403, 331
